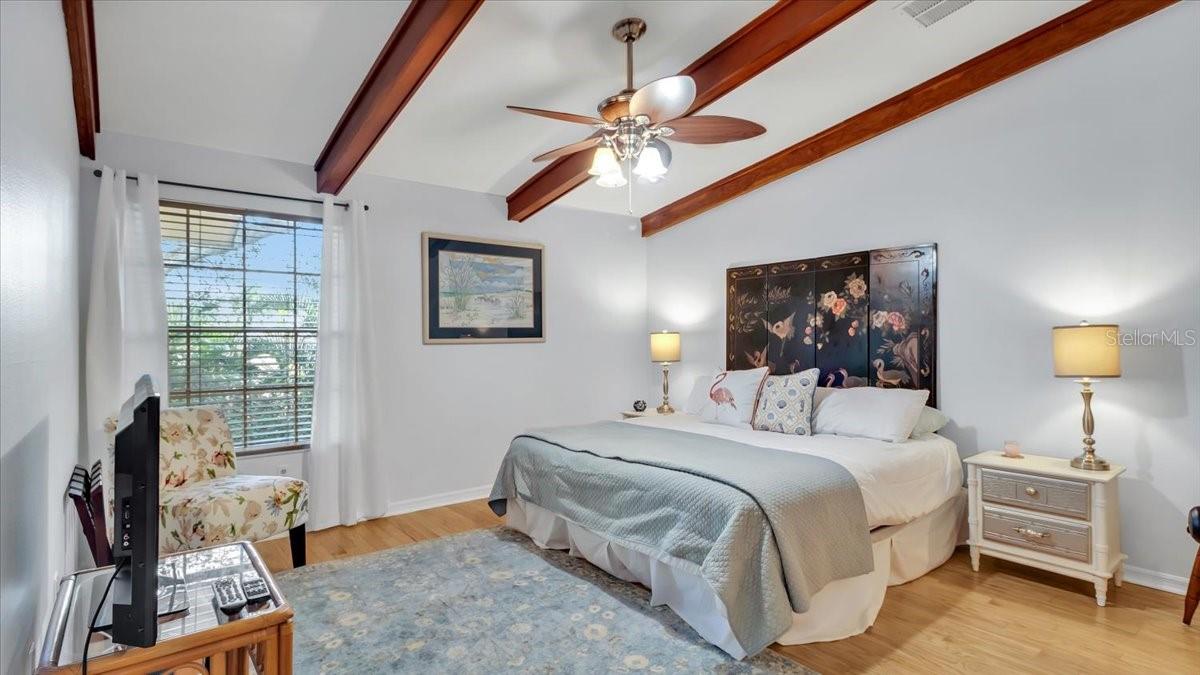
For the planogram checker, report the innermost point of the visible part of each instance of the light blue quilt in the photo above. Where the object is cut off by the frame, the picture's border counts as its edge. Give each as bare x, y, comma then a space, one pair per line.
765, 528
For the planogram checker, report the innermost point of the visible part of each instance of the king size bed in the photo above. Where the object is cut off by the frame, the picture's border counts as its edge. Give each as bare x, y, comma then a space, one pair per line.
754, 536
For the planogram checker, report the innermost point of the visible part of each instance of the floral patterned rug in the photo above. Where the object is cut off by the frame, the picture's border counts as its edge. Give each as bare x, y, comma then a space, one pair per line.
490, 601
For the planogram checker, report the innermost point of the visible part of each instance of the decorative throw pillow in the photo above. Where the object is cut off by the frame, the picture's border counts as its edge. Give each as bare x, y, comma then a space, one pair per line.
732, 396
699, 394
785, 405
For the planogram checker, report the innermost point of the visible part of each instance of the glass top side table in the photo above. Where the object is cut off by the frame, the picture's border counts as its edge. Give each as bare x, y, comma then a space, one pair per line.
200, 639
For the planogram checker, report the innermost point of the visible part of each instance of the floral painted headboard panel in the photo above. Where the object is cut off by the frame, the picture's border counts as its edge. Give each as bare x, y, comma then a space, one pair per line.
865, 319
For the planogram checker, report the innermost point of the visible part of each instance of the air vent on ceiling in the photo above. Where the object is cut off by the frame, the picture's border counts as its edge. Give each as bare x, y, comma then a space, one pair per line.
929, 12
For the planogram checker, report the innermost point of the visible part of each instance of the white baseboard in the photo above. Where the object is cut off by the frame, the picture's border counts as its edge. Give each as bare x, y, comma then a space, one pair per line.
1160, 580
441, 499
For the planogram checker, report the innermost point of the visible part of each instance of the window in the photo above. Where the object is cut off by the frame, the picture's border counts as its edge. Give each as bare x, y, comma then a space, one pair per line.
242, 294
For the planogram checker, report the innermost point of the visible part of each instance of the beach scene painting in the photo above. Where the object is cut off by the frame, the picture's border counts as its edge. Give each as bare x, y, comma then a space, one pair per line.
478, 290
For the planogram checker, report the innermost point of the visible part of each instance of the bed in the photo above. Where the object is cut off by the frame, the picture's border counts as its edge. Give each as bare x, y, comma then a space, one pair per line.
915, 508
752, 536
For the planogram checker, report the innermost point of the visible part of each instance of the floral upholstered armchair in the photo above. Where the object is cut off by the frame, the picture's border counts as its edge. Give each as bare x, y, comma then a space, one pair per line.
203, 501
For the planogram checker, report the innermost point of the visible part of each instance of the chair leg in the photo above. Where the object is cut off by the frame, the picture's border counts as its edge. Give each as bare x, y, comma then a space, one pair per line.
1193, 592
296, 535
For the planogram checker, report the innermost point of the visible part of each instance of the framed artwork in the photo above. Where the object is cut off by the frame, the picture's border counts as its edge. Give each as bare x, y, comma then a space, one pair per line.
867, 318
480, 290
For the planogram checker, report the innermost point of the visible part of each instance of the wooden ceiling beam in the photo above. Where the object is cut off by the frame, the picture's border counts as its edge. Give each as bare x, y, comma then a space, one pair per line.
421, 38
1057, 36
785, 27
85, 84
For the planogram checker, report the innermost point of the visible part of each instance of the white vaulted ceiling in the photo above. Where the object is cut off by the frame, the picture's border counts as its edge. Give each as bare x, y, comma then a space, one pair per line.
272, 79
872, 56
268, 78
553, 55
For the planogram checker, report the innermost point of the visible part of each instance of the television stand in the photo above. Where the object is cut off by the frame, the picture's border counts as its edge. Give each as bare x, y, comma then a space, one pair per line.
259, 639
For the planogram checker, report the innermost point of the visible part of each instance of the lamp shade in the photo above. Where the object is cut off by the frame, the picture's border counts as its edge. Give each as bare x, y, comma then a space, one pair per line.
604, 161
653, 162
1087, 350
664, 347
612, 179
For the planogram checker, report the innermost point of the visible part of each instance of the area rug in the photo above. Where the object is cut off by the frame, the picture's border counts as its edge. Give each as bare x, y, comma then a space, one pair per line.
490, 601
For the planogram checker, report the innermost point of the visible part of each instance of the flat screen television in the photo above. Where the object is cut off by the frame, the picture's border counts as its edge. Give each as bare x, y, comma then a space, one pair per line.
135, 604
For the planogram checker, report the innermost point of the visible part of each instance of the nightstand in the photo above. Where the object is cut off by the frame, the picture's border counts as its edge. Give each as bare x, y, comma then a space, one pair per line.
1041, 512
648, 412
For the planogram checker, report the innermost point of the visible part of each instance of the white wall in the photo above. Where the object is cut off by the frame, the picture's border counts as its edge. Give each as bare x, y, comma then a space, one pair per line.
452, 409
1067, 192
39, 327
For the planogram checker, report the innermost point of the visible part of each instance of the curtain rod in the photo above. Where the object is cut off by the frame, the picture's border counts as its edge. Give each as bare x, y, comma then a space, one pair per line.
345, 205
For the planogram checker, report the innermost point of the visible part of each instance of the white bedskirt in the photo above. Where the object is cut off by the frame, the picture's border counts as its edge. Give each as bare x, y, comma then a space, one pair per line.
843, 608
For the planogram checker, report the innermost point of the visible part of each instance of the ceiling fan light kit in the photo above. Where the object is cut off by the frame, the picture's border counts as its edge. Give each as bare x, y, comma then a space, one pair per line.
653, 162
613, 179
634, 122
604, 162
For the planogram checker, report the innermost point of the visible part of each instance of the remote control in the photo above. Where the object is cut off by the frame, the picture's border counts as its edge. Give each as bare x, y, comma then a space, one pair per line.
228, 596
255, 590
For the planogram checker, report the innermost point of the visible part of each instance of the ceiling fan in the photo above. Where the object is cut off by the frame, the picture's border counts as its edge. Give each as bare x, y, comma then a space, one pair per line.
634, 122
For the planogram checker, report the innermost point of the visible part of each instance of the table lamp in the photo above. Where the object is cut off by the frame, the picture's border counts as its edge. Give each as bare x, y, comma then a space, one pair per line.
664, 349
1087, 351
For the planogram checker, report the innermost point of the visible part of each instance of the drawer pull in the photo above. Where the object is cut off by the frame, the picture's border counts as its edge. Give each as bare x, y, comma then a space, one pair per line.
1026, 532
1031, 491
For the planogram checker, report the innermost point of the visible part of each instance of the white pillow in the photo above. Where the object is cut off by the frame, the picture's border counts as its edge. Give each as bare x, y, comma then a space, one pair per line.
699, 395
869, 412
732, 396
930, 421
819, 395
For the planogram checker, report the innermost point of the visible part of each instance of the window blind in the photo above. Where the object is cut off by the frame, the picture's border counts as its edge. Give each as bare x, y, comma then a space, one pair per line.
243, 290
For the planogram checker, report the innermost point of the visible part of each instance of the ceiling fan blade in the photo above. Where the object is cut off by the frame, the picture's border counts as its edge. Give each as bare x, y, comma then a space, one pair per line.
589, 142
555, 115
664, 99
712, 129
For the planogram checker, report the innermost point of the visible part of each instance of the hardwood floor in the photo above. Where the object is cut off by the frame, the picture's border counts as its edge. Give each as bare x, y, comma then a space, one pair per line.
1005, 619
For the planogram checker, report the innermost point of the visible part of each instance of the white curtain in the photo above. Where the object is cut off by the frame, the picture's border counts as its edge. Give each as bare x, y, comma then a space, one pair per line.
346, 477
127, 308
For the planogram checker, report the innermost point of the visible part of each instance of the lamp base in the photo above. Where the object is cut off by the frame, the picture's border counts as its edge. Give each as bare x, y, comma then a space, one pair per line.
1088, 461
665, 408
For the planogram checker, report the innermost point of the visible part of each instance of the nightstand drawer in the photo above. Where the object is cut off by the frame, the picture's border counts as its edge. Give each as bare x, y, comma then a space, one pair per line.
1052, 495
1067, 540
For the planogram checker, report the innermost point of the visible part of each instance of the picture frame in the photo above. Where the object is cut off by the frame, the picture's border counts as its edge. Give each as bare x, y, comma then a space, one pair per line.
476, 290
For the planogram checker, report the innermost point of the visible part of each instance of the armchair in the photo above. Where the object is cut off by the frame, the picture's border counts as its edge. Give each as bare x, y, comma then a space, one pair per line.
203, 501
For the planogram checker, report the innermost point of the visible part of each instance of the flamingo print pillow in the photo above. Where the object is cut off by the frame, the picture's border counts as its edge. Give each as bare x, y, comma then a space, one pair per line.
733, 396
786, 403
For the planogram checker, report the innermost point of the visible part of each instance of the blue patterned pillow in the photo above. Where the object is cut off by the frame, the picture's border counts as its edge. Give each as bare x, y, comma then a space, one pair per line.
786, 403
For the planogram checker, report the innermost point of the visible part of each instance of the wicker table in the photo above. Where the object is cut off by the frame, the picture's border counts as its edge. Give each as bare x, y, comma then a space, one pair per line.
202, 640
